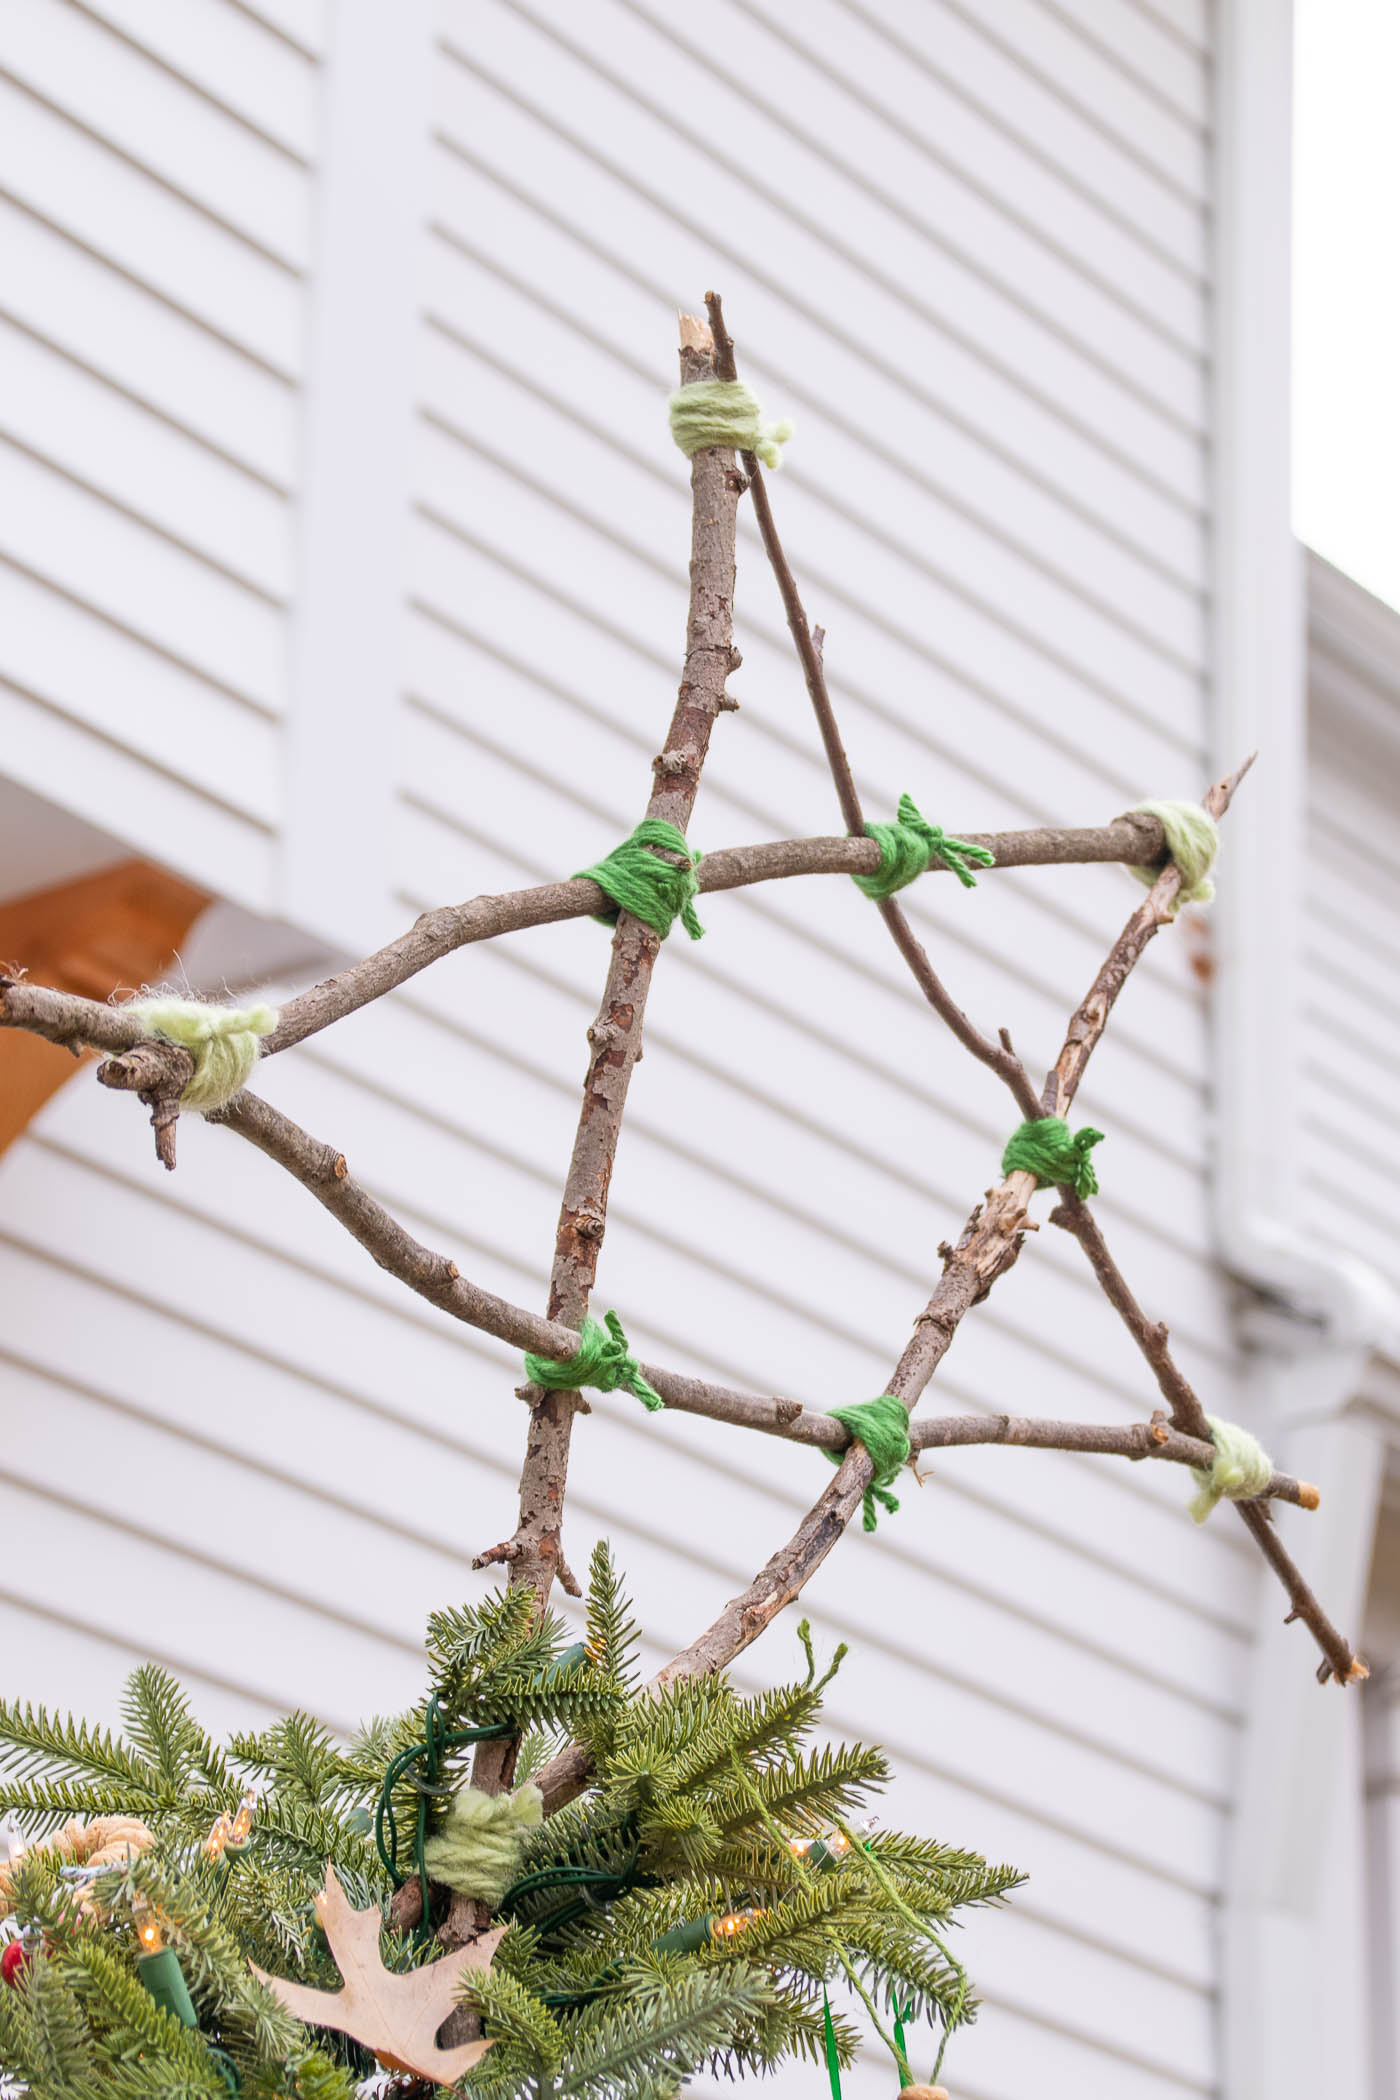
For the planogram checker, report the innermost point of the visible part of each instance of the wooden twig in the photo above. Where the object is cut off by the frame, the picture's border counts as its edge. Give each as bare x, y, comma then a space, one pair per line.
997, 1056
1131, 840
616, 1034
1188, 1415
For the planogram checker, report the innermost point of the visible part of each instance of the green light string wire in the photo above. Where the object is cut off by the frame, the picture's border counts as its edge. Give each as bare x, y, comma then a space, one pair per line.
800, 1867
437, 1739
867, 1858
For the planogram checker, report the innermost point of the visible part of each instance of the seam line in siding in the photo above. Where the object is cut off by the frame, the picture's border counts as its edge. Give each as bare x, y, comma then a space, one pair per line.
673, 575
824, 325
144, 641
179, 1666
1085, 111
171, 189
1140, 80
105, 1513
144, 522
216, 334
591, 615
988, 114
792, 388
191, 86
824, 494
928, 231
274, 29
148, 405
166, 771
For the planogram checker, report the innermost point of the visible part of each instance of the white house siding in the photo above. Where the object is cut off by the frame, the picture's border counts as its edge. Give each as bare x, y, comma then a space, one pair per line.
156, 192
1351, 1127
967, 248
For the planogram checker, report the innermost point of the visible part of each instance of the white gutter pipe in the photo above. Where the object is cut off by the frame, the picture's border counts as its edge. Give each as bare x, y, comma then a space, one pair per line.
1294, 2016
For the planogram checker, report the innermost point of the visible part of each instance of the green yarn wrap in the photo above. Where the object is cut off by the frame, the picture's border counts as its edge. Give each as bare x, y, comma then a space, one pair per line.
1241, 1468
224, 1041
653, 890
910, 846
603, 1361
883, 1427
1192, 842
479, 1846
724, 412
1057, 1156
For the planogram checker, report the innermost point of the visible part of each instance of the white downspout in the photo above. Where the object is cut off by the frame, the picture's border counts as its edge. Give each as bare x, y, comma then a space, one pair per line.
1294, 2017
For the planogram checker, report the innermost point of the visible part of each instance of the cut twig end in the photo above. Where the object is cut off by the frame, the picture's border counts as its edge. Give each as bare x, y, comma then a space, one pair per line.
1308, 1495
695, 334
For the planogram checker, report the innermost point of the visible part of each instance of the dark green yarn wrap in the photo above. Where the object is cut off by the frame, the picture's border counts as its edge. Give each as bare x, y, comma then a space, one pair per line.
883, 1427
1057, 1156
652, 889
603, 1361
910, 846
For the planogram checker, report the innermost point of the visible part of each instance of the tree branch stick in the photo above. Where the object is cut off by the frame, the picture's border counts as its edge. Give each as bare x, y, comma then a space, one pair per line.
999, 1057
616, 1034
1131, 840
1188, 1415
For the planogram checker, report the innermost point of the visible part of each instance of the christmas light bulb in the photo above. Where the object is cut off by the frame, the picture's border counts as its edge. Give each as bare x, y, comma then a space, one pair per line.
243, 1819
149, 1933
734, 1922
219, 1836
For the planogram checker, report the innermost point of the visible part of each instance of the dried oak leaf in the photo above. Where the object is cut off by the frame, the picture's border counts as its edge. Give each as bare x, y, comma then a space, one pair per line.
396, 2016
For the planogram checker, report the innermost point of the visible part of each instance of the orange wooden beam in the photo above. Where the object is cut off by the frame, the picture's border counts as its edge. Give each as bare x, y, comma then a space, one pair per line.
106, 933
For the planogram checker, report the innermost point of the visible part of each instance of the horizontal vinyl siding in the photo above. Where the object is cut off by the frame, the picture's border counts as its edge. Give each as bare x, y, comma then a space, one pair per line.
967, 251
967, 248
1351, 1027
155, 205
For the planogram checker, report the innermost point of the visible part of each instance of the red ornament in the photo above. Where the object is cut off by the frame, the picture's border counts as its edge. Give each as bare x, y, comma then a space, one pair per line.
13, 1962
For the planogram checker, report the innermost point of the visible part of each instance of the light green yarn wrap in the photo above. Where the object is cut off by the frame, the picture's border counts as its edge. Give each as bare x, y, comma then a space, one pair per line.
1241, 1468
224, 1042
1192, 842
724, 412
479, 1847
883, 1427
603, 1361
910, 846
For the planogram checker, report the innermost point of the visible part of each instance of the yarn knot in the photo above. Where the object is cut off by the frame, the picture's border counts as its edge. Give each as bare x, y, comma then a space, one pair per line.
224, 1042
883, 1427
1192, 842
1240, 1469
478, 1848
1057, 1156
603, 1361
653, 889
911, 845
725, 412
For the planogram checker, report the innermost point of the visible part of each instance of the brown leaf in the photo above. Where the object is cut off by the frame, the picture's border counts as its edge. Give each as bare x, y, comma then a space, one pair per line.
396, 2016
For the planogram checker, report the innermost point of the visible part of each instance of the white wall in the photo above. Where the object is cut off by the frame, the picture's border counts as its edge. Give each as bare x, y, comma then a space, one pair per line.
967, 249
